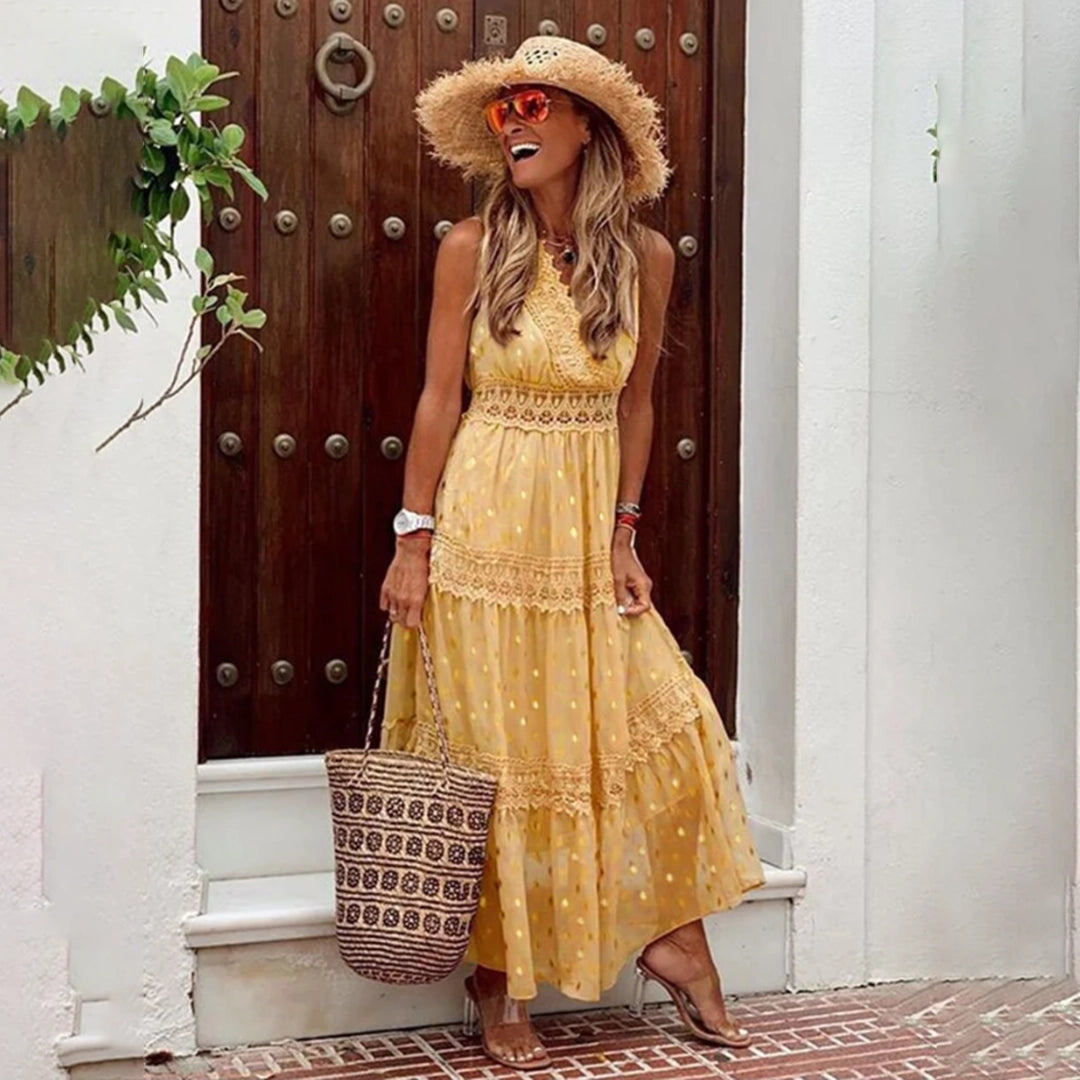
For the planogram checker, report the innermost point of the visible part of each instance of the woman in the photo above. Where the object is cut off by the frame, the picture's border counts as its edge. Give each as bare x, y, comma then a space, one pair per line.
619, 822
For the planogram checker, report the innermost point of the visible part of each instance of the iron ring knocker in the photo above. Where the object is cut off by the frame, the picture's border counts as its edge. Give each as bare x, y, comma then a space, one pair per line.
341, 46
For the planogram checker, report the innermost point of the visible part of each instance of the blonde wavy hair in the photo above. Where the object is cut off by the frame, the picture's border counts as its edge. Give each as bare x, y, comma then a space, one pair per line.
609, 240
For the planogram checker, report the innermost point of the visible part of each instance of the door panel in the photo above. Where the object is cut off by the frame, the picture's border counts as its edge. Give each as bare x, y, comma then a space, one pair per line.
285, 288
337, 437
296, 537
229, 580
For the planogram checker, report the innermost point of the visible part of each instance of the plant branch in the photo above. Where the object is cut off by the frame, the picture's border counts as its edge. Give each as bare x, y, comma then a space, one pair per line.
25, 392
172, 390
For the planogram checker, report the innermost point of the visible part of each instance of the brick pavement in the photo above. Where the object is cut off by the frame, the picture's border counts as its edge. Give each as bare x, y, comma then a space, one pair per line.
990, 1029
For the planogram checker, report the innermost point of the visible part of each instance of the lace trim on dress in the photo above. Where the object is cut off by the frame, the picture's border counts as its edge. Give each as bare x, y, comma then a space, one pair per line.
529, 784
537, 409
554, 583
555, 313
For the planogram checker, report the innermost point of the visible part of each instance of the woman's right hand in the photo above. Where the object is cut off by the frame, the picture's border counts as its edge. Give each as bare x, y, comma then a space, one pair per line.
406, 583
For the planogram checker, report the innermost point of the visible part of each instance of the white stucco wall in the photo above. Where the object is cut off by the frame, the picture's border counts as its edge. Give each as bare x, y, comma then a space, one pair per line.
936, 643
769, 418
98, 621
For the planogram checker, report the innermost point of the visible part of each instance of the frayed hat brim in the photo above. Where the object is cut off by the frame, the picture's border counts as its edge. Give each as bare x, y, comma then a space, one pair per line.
450, 109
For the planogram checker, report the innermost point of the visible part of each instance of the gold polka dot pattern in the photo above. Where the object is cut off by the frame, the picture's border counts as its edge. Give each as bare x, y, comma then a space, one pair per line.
618, 814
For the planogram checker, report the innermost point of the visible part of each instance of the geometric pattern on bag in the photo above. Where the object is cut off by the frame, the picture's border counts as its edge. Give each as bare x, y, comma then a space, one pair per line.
410, 844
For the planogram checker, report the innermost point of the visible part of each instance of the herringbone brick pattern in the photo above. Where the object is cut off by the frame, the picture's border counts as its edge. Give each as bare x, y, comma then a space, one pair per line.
992, 1029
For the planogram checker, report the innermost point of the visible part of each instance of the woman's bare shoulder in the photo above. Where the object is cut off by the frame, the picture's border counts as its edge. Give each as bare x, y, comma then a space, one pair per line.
656, 250
462, 240
657, 267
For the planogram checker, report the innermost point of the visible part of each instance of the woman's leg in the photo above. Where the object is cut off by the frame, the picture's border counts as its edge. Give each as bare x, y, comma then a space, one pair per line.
505, 1019
683, 958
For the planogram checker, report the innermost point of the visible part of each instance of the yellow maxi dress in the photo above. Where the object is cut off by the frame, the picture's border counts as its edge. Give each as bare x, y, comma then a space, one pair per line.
618, 815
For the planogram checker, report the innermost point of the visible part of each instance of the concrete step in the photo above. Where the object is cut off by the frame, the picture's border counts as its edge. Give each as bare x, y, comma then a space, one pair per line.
267, 965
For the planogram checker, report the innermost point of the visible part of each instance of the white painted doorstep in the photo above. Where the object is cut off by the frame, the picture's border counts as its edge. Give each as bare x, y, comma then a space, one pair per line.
268, 817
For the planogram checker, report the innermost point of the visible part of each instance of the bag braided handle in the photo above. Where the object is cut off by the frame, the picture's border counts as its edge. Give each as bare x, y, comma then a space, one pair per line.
433, 693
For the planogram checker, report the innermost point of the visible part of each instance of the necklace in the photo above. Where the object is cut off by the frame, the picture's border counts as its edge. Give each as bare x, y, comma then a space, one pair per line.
562, 246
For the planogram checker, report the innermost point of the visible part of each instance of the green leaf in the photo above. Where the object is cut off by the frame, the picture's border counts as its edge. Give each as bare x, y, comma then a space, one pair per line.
205, 74
206, 201
8, 360
139, 109
211, 102
224, 316
70, 103
204, 261
203, 352
253, 182
163, 133
29, 106
123, 318
112, 91
179, 204
225, 279
180, 80
216, 175
255, 318
232, 136
159, 204
153, 159
150, 286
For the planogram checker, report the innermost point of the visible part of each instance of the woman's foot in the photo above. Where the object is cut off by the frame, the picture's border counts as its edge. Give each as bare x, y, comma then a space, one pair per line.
507, 1031
682, 957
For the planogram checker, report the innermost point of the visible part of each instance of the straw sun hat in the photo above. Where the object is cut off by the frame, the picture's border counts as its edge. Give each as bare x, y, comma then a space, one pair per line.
450, 109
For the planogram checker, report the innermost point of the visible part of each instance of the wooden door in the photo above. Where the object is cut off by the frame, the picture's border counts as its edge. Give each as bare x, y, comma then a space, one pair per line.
296, 521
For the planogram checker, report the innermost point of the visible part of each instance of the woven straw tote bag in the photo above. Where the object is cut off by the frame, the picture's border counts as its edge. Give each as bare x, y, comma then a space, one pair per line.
410, 843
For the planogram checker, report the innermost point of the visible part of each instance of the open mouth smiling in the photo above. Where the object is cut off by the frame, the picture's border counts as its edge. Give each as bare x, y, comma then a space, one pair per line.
522, 150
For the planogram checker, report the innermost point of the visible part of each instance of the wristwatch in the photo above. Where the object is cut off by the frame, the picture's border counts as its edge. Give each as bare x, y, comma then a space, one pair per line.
405, 521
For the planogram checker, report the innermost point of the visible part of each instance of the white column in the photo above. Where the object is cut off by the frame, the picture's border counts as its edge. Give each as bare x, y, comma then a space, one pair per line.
831, 519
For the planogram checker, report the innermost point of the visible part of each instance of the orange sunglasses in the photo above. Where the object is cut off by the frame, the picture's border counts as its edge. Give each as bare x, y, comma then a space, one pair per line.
532, 106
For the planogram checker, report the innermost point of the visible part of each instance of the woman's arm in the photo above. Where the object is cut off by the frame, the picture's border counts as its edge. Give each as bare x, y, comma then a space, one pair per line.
632, 584
437, 414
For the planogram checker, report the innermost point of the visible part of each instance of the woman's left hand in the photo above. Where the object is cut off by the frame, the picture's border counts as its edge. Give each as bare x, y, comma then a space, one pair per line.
632, 585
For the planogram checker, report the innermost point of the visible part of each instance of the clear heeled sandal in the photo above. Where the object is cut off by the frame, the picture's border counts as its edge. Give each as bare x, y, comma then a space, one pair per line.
473, 1024
732, 1035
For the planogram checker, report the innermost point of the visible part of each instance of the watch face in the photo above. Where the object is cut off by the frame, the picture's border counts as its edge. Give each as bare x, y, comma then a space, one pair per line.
407, 521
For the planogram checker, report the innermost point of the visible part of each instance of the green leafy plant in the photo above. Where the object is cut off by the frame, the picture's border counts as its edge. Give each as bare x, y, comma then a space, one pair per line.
179, 154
